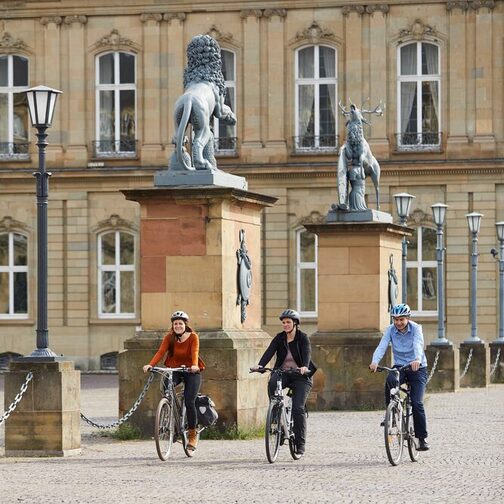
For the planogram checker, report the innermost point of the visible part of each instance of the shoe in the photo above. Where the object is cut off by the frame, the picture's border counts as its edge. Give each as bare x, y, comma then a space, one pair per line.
382, 424
423, 445
193, 439
300, 449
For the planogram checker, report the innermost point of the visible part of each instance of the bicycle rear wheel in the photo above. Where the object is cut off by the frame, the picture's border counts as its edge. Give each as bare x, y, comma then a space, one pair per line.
412, 441
163, 429
393, 434
273, 430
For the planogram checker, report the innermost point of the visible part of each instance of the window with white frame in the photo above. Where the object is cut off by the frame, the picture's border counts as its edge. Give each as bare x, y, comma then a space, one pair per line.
116, 275
13, 275
306, 274
225, 134
316, 98
13, 106
422, 272
418, 94
115, 105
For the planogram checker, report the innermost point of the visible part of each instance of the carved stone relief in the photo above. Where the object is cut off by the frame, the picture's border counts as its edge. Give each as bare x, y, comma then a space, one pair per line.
181, 16
151, 16
314, 33
114, 41
9, 43
270, 13
418, 30
215, 33
244, 14
465, 5
57, 20
75, 19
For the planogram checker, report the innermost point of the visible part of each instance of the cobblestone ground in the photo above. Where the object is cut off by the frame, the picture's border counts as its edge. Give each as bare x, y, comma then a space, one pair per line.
345, 461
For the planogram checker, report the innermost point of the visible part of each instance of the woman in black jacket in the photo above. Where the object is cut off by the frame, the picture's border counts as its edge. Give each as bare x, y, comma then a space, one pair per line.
293, 350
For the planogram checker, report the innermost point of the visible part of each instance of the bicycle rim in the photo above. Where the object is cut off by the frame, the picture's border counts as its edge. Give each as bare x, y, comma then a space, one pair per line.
292, 448
185, 433
393, 434
163, 429
273, 431
412, 441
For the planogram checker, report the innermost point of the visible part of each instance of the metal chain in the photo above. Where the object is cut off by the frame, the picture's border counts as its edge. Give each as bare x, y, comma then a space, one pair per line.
17, 399
469, 357
128, 414
433, 368
496, 363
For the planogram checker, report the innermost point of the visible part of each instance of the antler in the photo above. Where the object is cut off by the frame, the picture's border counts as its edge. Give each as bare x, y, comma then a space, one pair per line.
343, 110
378, 110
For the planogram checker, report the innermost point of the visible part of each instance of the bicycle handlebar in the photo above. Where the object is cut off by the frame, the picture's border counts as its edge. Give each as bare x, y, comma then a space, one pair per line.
393, 370
262, 370
162, 370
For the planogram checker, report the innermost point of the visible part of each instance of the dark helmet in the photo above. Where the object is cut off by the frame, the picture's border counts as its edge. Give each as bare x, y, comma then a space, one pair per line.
400, 310
180, 315
292, 314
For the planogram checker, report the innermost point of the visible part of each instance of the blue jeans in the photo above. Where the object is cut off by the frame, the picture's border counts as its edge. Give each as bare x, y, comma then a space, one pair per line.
417, 381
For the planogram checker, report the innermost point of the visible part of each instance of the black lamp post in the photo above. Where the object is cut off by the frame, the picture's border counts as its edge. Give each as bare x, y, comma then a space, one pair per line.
41, 104
499, 226
403, 205
474, 223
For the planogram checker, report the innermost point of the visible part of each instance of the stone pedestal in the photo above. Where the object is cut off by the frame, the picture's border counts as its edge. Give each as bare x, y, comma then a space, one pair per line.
478, 372
498, 373
189, 242
447, 372
353, 286
47, 420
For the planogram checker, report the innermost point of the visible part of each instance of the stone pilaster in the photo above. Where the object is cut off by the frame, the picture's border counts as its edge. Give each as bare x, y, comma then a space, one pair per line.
478, 371
447, 372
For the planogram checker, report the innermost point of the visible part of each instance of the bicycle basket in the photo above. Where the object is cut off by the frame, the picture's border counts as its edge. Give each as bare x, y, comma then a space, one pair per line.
207, 414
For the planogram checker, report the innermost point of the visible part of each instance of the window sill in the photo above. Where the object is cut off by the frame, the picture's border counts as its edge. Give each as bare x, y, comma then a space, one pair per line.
16, 321
14, 158
134, 321
315, 152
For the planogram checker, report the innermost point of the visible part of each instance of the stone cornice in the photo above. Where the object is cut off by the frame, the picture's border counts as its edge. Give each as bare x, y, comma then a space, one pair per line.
465, 5
8, 44
57, 20
69, 20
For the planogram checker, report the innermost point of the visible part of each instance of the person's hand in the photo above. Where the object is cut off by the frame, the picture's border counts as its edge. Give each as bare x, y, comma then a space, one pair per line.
373, 366
147, 368
304, 370
255, 368
195, 369
415, 365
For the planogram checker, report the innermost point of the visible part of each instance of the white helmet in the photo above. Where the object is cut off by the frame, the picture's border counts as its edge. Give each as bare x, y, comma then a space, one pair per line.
180, 315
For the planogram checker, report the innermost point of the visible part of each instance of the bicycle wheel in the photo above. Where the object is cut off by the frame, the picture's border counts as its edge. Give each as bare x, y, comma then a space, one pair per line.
292, 443
273, 430
393, 434
163, 429
412, 441
185, 434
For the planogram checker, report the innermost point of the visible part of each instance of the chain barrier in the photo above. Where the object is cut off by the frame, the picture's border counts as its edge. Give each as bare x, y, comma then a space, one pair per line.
469, 357
433, 367
17, 399
496, 363
126, 415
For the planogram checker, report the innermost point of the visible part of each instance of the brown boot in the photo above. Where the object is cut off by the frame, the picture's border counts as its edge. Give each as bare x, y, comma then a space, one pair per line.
193, 439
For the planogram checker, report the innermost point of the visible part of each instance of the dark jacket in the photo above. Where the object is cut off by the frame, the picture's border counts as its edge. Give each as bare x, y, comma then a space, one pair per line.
300, 349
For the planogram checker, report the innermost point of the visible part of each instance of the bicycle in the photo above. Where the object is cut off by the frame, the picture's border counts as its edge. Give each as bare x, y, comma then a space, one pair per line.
171, 419
279, 421
398, 424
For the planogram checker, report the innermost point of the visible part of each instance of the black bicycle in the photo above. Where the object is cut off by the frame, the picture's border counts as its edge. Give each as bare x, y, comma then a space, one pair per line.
279, 421
398, 424
171, 418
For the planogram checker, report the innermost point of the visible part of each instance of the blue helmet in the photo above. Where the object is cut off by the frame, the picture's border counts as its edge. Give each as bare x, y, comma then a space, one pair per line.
400, 310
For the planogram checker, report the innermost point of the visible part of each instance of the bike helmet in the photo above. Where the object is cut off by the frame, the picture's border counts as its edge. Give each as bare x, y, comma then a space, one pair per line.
292, 314
180, 315
400, 310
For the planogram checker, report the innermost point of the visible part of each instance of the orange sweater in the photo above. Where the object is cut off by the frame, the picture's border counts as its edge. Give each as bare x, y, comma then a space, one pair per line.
184, 354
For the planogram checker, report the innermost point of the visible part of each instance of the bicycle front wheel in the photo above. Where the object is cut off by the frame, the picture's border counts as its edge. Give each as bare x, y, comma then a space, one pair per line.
393, 434
273, 430
163, 429
412, 441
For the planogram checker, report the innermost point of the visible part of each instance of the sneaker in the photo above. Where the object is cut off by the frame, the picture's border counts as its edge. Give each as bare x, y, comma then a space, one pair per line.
423, 445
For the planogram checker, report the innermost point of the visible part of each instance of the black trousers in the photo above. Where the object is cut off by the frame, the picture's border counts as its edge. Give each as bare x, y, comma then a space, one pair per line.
300, 386
192, 384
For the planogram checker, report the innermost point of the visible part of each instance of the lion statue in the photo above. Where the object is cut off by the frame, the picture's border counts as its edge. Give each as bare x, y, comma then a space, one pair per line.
202, 100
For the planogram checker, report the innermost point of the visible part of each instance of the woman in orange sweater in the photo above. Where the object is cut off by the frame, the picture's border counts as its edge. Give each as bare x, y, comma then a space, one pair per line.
181, 347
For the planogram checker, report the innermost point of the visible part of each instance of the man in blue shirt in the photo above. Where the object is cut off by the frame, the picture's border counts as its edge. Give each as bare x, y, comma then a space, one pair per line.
407, 342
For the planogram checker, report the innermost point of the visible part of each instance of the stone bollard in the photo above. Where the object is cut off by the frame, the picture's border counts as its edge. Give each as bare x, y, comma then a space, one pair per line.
447, 373
478, 372
498, 372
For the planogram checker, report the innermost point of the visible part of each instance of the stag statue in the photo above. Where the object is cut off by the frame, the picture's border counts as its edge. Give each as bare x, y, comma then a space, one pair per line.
356, 161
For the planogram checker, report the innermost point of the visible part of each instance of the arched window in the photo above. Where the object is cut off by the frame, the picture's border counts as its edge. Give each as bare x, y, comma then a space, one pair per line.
306, 272
422, 272
116, 115
316, 98
116, 275
13, 107
418, 91
225, 135
13, 275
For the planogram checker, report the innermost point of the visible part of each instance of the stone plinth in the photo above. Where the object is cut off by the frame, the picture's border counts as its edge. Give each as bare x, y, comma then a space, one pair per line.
353, 285
447, 372
478, 372
498, 373
189, 242
47, 420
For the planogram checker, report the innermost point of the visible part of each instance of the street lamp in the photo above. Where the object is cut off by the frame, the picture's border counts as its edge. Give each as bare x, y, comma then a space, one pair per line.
403, 205
474, 223
41, 104
439, 215
499, 226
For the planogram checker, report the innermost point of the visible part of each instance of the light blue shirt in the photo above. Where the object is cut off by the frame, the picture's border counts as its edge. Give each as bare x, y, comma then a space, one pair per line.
406, 347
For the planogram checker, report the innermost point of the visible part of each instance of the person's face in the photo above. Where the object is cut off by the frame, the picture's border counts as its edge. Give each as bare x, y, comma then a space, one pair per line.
288, 325
400, 323
179, 326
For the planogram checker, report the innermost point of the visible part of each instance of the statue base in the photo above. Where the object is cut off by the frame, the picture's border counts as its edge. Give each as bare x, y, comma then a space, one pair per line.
170, 178
368, 215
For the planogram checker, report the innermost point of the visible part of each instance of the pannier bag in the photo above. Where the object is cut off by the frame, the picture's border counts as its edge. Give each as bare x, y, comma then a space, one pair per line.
207, 414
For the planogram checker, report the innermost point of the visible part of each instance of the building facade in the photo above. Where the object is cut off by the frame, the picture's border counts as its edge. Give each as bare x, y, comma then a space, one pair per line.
437, 67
